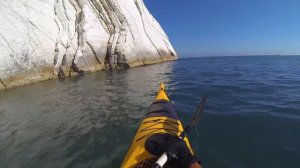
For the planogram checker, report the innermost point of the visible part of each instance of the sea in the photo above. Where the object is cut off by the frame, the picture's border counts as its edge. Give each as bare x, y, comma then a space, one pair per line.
251, 119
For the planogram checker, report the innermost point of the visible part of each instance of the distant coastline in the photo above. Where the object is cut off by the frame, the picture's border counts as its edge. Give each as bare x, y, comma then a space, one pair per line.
278, 55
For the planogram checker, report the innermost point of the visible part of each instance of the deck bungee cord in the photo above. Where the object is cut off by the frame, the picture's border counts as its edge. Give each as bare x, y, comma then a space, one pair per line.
192, 123
160, 123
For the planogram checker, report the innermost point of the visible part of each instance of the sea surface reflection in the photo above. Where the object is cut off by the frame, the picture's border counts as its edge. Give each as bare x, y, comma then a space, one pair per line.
83, 122
252, 116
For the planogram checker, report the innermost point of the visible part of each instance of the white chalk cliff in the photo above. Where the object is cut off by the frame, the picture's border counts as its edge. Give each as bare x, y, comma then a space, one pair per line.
45, 39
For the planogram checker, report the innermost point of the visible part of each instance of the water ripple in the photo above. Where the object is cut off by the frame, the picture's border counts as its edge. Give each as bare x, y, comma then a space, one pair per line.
252, 117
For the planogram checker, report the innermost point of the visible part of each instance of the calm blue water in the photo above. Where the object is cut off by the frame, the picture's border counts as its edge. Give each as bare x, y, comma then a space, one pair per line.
252, 117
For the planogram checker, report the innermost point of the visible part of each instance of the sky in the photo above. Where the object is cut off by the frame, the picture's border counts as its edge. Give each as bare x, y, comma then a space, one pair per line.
229, 27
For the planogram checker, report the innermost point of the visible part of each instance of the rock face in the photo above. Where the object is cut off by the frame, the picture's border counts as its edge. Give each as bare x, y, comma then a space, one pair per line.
44, 39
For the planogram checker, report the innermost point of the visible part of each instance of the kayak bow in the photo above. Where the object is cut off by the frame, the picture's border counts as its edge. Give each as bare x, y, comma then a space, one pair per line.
160, 120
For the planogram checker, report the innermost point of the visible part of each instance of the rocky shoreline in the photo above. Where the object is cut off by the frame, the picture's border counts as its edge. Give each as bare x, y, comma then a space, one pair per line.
46, 40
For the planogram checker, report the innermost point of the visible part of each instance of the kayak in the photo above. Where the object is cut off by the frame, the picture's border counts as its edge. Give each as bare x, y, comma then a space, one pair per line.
161, 119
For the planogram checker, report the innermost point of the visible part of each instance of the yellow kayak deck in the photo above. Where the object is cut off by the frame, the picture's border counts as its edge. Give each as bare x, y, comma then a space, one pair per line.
161, 119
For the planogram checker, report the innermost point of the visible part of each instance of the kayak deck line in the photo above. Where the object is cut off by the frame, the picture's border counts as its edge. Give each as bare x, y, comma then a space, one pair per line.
162, 95
161, 119
159, 125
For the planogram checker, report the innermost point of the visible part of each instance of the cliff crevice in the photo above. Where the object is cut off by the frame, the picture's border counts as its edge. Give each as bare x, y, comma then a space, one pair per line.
42, 40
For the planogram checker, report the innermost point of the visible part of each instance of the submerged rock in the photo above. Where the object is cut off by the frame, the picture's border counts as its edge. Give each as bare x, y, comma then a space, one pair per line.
40, 40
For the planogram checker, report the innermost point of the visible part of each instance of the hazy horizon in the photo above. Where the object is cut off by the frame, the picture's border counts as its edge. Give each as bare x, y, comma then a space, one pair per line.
195, 55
